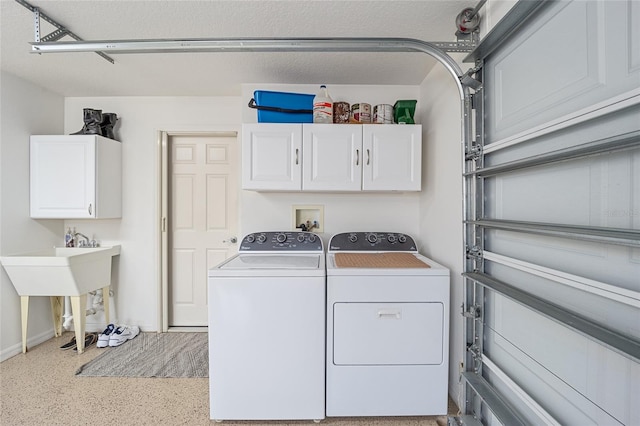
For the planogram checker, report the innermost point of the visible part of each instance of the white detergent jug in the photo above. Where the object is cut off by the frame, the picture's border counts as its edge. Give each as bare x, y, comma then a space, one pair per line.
323, 106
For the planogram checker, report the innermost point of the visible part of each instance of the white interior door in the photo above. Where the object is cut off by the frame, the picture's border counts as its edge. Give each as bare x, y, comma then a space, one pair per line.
202, 220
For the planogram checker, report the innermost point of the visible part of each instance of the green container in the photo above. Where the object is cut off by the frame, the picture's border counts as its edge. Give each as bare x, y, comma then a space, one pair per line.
403, 111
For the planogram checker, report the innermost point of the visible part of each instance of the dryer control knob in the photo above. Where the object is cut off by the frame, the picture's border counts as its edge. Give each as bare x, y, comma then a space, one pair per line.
250, 238
262, 238
312, 238
353, 238
300, 238
402, 238
372, 238
281, 238
391, 238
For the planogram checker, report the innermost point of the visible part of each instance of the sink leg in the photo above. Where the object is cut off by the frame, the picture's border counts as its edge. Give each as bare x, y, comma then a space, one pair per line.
105, 303
79, 311
56, 311
24, 313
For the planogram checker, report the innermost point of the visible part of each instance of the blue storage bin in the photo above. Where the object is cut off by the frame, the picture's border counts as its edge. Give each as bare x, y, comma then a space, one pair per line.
282, 107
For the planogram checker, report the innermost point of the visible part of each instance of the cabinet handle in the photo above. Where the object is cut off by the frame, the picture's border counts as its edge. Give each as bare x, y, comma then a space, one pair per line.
89, 209
296, 156
368, 157
357, 157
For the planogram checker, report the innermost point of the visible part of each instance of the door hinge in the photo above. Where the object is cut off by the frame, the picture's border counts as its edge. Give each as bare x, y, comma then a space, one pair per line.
469, 81
474, 152
475, 253
476, 354
473, 312
164, 224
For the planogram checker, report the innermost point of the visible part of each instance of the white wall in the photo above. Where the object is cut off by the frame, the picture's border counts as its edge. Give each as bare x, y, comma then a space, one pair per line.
441, 197
432, 216
25, 109
135, 283
136, 275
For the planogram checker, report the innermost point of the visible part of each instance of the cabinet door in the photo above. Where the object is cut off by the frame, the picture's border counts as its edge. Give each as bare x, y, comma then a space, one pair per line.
62, 176
272, 157
392, 157
332, 159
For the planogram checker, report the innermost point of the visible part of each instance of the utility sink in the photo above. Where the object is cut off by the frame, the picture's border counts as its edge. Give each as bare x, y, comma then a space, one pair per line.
60, 271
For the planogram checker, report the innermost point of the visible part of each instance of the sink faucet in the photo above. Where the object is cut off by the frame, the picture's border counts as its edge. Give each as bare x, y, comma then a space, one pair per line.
84, 243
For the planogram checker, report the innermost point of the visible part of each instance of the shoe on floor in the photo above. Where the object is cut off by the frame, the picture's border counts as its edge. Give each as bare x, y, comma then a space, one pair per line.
71, 344
122, 334
103, 338
89, 339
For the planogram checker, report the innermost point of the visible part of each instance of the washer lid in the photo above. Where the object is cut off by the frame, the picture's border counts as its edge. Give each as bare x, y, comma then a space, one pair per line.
273, 261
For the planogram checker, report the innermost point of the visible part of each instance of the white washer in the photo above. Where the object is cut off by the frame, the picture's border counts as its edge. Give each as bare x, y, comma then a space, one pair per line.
387, 327
267, 329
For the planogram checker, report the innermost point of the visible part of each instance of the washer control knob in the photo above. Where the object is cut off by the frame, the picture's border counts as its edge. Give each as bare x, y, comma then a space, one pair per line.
372, 238
353, 238
281, 238
250, 238
262, 238
312, 238
391, 238
300, 238
402, 238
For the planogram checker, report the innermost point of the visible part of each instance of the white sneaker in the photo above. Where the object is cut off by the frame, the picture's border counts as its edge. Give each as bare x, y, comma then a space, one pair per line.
103, 338
122, 334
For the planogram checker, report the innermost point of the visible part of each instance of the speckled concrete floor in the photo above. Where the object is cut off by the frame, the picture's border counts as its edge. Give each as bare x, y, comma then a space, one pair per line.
40, 388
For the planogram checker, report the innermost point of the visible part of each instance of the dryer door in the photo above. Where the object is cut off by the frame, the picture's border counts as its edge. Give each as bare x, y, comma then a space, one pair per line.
388, 333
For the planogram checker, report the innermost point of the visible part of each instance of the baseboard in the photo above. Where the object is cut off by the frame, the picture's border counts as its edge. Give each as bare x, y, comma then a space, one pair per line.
32, 341
188, 329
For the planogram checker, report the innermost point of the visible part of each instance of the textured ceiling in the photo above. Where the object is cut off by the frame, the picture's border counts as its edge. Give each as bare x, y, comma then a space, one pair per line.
221, 74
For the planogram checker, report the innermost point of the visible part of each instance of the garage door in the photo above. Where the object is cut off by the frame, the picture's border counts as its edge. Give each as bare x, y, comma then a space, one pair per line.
552, 222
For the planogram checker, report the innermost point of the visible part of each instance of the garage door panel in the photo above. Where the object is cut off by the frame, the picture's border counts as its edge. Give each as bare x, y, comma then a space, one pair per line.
594, 191
562, 389
620, 121
526, 195
566, 69
578, 54
617, 266
622, 315
567, 78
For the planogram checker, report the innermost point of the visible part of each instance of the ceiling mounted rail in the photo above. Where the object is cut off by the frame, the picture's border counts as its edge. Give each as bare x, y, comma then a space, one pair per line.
340, 44
61, 30
346, 44
437, 50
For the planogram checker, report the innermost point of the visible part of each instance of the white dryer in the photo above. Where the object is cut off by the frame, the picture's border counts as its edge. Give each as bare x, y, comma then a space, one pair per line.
387, 327
267, 329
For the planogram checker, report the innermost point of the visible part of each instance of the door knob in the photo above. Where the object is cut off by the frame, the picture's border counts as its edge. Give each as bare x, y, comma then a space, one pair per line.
231, 240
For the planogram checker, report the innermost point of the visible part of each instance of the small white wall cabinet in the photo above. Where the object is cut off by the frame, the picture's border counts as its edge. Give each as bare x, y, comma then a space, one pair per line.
75, 177
331, 157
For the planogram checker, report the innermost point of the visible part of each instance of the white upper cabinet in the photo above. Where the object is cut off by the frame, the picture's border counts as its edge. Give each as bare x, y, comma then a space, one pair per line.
272, 157
331, 157
75, 177
392, 157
